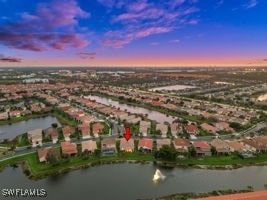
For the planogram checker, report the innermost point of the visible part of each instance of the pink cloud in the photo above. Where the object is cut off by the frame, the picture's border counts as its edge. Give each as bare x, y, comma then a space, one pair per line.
138, 6
41, 42
142, 19
39, 31
9, 59
87, 55
152, 31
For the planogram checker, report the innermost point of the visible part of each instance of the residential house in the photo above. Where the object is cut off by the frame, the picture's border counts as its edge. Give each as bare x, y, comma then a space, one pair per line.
35, 137
221, 146
209, 128
257, 144
144, 127
163, 129
52, 134
127, 146
84, 128
181, 145
161, 142
89, 145
67, 131
192, 129
4, 116
15, 113
145, 145
68, 148
202, 148
97, 128
236, 146
176, 129
108, 146
42, 153
223, 126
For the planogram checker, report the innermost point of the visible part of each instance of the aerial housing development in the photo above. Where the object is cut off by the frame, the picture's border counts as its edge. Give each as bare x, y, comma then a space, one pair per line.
133, 100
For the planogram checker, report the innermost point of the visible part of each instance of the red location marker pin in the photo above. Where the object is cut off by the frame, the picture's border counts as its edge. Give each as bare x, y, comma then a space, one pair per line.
127, 135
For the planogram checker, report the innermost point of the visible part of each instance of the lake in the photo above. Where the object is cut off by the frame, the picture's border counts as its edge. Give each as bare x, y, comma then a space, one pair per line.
173, 87
152, 115
15, 129
132, 181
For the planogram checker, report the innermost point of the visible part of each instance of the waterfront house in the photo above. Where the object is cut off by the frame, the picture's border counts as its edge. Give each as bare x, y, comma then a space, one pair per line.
4, 116
145, 145
98, 128
202, 148
127, 146
15, 113
108, 146
161, 142
257, 144
42, 153
236, 146
221, 146
89, 145
52, 134
181, 145
35, 137
163, 129
209, 128
192, 129
68, 148
67, 131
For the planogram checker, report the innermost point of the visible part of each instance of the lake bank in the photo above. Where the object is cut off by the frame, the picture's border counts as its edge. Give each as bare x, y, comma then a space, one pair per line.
37, 170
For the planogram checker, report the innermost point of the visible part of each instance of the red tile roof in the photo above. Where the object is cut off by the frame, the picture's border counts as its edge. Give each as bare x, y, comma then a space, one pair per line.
201, 144
145, 142
191, 129
68, 148
68, 130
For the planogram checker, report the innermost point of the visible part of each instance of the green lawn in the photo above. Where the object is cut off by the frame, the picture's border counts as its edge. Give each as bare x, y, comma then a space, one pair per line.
225, 160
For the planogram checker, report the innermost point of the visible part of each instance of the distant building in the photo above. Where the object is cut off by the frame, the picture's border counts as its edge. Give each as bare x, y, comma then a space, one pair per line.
36, 80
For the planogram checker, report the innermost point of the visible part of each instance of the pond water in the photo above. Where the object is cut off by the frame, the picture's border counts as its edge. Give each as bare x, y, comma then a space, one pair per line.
10, 131
132, 181
152, 115
173, 87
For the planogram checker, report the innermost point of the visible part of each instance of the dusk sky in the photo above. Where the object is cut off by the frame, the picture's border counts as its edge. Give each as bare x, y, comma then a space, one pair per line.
133, 33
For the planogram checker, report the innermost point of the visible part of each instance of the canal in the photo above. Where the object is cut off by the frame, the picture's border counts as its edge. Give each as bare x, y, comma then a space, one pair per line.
152, 115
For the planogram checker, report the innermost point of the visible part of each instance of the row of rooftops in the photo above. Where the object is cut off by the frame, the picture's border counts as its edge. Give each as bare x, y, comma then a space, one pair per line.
181, 145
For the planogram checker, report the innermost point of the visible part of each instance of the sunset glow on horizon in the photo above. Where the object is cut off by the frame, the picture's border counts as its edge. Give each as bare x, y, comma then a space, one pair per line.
133, 33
